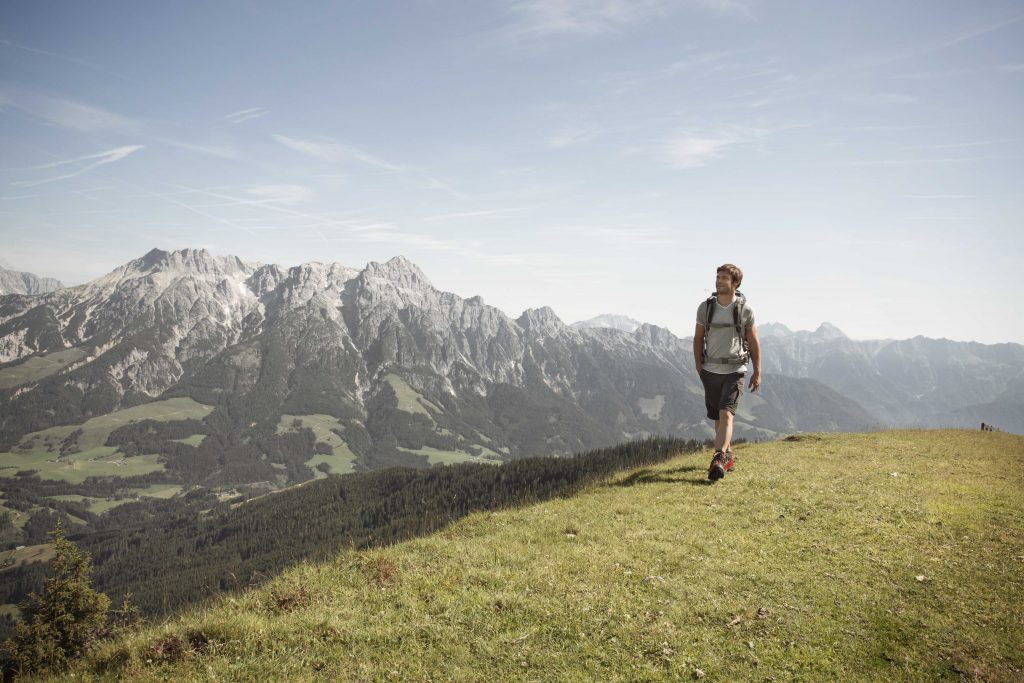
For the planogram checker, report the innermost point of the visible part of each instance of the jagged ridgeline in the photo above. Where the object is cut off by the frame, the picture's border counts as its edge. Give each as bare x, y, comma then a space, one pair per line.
170, 561
411, 375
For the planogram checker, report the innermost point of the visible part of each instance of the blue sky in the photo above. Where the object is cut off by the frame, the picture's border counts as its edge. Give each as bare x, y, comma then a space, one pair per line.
862, 162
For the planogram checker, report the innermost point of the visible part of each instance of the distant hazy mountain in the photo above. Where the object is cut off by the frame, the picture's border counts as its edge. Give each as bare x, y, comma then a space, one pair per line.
616, 322
910, 382
405, 369
14, 282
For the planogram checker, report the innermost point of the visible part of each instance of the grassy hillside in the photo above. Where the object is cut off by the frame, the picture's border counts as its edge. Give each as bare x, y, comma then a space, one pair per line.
76, 452
883, 556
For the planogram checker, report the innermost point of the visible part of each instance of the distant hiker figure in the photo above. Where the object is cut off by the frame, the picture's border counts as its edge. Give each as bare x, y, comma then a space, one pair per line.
982, 426
724, 341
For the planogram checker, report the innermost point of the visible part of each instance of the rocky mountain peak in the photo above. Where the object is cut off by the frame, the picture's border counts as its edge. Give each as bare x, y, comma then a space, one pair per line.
829, 331
15, 282
399, 270
195, 261
773, 330
542, 321
655, 336
397, 283
612, 320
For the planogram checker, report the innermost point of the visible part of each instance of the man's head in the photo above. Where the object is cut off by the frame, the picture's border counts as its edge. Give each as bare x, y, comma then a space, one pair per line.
728, 277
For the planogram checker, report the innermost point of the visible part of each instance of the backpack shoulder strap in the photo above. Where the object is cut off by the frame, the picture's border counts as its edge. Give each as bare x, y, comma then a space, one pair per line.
739, 318
709, 312
737, 313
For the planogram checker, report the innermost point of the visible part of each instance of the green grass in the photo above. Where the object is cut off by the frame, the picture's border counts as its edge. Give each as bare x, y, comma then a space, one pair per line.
39, 367
439, 457
409, 399
26, 555
40, 451
861, 557
99, 462
163, 491
342, 461
101, 505
18, 557
195, 440
18, 517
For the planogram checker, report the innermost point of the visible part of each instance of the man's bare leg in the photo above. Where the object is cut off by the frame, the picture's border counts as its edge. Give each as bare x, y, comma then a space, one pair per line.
723, 431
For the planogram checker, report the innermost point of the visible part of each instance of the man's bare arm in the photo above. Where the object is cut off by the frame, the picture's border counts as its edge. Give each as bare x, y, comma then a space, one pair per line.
698, 347
754, 346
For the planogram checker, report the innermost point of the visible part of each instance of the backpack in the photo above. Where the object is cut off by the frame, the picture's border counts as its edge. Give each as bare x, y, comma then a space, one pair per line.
737, 323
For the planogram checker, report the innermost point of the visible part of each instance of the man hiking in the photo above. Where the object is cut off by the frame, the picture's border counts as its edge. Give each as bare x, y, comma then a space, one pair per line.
724, 341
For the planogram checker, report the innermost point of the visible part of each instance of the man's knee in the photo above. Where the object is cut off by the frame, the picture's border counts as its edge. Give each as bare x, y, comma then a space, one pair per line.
724, 415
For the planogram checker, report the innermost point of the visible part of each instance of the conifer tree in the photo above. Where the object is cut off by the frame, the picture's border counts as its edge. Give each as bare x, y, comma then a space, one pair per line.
60, 624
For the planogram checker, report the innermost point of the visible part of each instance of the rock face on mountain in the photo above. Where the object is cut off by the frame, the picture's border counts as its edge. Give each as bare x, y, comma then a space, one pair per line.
403, 369
14, 282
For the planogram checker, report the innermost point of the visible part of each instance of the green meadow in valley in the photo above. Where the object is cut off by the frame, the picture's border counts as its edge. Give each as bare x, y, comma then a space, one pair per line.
75, 452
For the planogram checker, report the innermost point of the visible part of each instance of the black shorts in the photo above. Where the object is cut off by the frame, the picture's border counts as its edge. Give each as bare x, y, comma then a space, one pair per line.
721, 392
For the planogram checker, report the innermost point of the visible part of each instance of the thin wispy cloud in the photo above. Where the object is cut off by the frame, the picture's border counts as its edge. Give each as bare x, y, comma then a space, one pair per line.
936, 45
545, 18
624, 234
67, 58
320, 220
334, 151
931, 197
733, 7
964, 145
285, 194
536, 19
696, 148
67, 113
690, 151
218, 151
170, 199
572, 136
246, 115
358, 227
1008, 69
489, 213
404, 239
438, 184
936, 161
879, 99
95, 160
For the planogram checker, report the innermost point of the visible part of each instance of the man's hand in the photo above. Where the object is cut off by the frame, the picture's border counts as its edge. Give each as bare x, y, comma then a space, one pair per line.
755, 381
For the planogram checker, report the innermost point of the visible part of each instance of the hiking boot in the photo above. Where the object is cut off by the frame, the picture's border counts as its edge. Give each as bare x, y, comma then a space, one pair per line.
718, 463
730, 461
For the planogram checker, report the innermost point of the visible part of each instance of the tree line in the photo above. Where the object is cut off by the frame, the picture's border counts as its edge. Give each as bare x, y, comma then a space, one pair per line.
174, 558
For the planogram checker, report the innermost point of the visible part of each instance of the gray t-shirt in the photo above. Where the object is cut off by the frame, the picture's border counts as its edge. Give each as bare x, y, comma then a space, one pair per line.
723, 342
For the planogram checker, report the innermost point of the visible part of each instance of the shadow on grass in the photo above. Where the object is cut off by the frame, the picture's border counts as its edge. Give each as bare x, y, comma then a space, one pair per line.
647, 476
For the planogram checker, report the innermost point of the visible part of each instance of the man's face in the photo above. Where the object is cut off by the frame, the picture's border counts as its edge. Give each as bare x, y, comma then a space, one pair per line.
723, 283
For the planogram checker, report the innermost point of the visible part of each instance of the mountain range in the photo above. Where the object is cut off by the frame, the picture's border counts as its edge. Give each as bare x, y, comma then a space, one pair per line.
373, 367
14, 282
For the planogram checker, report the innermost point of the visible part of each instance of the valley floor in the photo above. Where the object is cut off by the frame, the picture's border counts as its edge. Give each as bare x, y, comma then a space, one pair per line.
882, 556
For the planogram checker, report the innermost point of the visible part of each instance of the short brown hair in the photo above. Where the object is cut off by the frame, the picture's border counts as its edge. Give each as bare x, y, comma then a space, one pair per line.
735, 273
